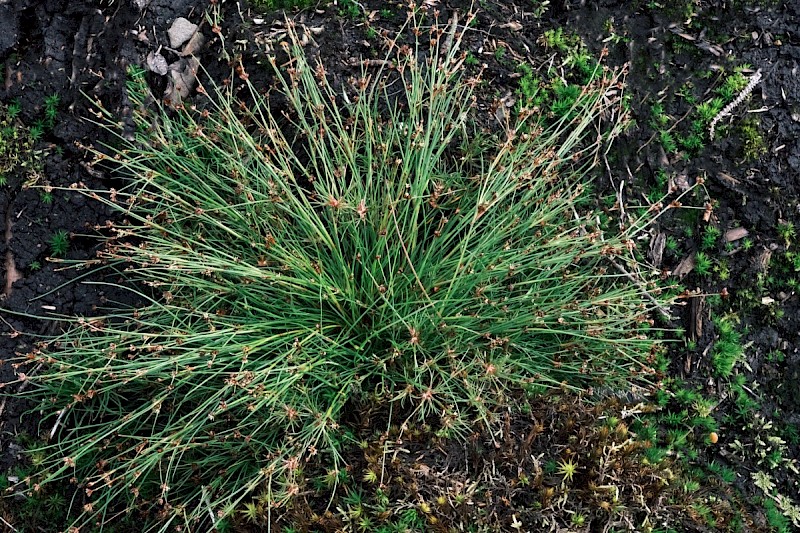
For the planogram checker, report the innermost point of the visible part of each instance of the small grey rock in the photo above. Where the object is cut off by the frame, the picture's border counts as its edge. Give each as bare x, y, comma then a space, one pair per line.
182, 79
180, 32
156, 63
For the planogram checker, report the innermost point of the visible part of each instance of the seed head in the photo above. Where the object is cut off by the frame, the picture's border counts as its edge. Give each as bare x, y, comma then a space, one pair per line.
414, 336
362, 210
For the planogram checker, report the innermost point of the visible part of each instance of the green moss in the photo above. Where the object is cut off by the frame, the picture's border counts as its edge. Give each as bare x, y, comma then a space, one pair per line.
706, 111
556, 38
702, 264
17, 154
668, 142
348, 9
732, 86
273, 5
753, 143
728, 348
710, 236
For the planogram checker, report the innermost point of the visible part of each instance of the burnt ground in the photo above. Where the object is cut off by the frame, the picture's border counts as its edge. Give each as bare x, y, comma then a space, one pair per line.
677, 56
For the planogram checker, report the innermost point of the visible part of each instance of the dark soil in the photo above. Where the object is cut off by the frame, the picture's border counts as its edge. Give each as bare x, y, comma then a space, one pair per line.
80, 50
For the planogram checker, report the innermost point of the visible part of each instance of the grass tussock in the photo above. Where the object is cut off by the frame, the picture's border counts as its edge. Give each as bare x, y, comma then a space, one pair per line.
354, 247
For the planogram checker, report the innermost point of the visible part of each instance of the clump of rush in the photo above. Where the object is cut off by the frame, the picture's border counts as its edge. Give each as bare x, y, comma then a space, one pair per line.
352, 247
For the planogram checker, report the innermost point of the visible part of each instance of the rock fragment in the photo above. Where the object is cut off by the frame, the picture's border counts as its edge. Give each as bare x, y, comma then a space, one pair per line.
194, 45
183, 77
180, 32
156, 63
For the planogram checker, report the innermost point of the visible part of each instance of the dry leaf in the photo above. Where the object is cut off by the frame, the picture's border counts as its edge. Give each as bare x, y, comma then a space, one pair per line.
508, 100
715, 49
707, 212
727, 179
685, 266
735, 234
12, 274
513, 25
657, 249
682, 182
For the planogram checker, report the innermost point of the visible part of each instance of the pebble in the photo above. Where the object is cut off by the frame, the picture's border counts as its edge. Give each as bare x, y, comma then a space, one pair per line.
180, 32
156, 63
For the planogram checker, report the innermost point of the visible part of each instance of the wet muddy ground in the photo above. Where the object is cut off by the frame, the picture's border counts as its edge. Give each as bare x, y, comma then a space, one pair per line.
676, 56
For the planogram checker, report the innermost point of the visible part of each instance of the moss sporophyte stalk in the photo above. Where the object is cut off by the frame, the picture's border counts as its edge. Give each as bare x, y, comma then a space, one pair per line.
348, 248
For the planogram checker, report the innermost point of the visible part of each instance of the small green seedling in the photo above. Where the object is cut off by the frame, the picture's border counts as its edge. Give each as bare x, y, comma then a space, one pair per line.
13, 109
36, 131
702, 264
710, 236
753, 144
59, 243
555, 39
786, 231
51, 109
